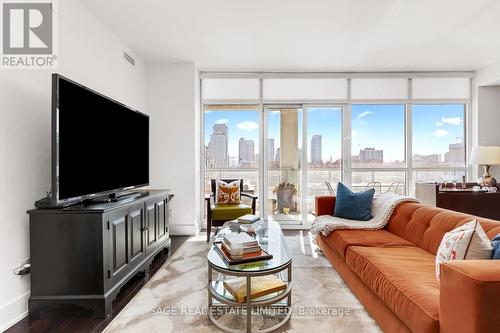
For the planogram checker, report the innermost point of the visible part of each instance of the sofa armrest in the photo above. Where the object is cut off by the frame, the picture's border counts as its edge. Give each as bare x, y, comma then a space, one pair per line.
324, 205
469, 296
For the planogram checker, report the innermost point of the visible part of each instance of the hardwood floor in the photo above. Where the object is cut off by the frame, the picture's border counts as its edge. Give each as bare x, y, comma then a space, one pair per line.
75, 319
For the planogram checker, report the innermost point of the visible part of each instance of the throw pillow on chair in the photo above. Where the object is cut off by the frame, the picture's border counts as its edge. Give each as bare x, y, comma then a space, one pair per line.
227, 193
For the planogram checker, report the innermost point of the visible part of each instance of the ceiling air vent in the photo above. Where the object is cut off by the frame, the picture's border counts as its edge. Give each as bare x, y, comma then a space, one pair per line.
129, 58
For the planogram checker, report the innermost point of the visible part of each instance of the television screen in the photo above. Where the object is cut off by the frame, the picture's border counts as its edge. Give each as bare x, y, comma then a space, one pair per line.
102, 146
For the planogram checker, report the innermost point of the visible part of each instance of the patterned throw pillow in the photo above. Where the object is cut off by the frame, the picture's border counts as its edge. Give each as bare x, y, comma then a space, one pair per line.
227, 193
468, 241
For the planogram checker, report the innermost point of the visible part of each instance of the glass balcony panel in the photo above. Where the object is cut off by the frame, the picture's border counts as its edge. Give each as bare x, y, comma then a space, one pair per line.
381, 181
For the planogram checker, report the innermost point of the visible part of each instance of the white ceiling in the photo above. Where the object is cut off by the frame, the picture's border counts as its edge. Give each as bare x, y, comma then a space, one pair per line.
309, 35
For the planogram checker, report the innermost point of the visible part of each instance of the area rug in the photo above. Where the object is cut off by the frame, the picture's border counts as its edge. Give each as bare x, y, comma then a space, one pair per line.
175, 299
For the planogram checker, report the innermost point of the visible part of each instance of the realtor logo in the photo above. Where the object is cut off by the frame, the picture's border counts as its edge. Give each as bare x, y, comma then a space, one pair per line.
28, 34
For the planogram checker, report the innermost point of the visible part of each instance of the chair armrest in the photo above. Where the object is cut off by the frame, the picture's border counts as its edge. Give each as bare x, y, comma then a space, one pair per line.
254, 200
469, 297
208, 199
248, 195
324, 205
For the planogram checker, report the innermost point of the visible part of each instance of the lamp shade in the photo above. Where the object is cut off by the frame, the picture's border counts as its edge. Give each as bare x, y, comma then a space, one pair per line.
485, 155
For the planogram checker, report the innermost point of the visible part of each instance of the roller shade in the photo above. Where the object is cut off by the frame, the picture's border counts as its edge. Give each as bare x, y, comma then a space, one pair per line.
379, 88
229, 88
452, 87
305, 89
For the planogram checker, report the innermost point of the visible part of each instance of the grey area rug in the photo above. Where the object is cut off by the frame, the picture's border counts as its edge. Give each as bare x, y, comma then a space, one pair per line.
175, 299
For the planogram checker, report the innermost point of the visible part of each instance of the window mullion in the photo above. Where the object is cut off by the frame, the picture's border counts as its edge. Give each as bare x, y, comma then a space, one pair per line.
409, 147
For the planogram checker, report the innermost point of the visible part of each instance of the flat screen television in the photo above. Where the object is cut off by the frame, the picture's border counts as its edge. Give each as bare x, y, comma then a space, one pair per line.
99, 146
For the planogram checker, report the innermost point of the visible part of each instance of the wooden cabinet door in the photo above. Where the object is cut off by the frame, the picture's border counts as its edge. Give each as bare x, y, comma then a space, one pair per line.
118, 244
151, 213
162, 208
136, 224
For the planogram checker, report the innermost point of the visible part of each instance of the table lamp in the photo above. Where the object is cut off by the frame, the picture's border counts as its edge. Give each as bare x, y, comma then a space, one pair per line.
486, 156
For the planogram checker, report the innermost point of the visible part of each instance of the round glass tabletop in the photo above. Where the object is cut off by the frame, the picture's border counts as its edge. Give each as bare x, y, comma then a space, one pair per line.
270, 238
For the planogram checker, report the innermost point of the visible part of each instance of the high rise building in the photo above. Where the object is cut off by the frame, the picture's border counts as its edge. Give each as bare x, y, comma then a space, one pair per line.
270, 150
371, 155
246, 153
426, 160
208, 159
277, 157
316, 150
218, 146
455, 154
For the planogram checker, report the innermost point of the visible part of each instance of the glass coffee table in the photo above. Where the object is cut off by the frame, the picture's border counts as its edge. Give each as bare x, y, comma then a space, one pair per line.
272, 240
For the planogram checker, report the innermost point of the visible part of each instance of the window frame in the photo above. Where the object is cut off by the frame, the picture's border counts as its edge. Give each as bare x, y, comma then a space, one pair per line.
346, 169
403, 169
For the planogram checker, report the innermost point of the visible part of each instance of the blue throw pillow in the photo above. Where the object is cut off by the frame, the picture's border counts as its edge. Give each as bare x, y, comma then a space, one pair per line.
353, 206
496, 247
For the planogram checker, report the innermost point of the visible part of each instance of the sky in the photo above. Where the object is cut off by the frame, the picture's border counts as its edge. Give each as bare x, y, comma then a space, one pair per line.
436, 126
378, 126
241, 124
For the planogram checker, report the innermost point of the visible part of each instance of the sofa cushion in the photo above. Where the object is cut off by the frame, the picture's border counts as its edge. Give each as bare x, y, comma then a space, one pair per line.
404, 278
340, 240
425, 226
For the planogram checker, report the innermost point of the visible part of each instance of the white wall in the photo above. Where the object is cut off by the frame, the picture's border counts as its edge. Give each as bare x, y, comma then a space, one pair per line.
88, 53
172, 102
487, 104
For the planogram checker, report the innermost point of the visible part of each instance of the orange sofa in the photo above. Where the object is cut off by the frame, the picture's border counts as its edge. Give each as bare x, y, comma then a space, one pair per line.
392, 272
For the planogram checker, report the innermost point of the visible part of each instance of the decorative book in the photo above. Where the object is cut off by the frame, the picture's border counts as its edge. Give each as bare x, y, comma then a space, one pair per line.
240, 252
248, 218
238, 244
260, 286
246, 257
239, 238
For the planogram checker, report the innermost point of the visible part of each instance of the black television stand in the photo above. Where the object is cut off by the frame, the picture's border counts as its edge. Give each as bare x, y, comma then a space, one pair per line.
84, 254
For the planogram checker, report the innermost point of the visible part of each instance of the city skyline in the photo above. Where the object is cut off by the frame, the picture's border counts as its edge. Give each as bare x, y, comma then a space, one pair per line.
435, 128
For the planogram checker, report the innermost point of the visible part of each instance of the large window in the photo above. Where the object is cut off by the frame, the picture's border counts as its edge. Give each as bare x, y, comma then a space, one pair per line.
438, 143
378, 143
231, 145
382, 132
378, 136
438, 135
324, 154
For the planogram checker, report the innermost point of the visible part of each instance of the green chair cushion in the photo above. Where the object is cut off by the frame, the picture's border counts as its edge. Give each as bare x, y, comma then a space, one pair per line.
229, 212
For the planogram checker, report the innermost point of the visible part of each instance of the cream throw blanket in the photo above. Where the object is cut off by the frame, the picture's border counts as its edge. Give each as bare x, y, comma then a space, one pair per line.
382, 207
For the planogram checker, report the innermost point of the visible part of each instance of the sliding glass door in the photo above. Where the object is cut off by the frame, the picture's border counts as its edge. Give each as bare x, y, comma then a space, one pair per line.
284, 164
303, 154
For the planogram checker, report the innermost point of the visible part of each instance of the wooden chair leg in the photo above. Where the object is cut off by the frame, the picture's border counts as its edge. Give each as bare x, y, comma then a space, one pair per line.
209, 230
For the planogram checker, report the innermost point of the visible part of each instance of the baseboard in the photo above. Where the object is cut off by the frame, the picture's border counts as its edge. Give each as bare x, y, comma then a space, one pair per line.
183, 229
13, 311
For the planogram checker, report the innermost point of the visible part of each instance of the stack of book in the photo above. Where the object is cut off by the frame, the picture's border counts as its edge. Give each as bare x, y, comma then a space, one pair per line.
238, 248
248, 218
238, 244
